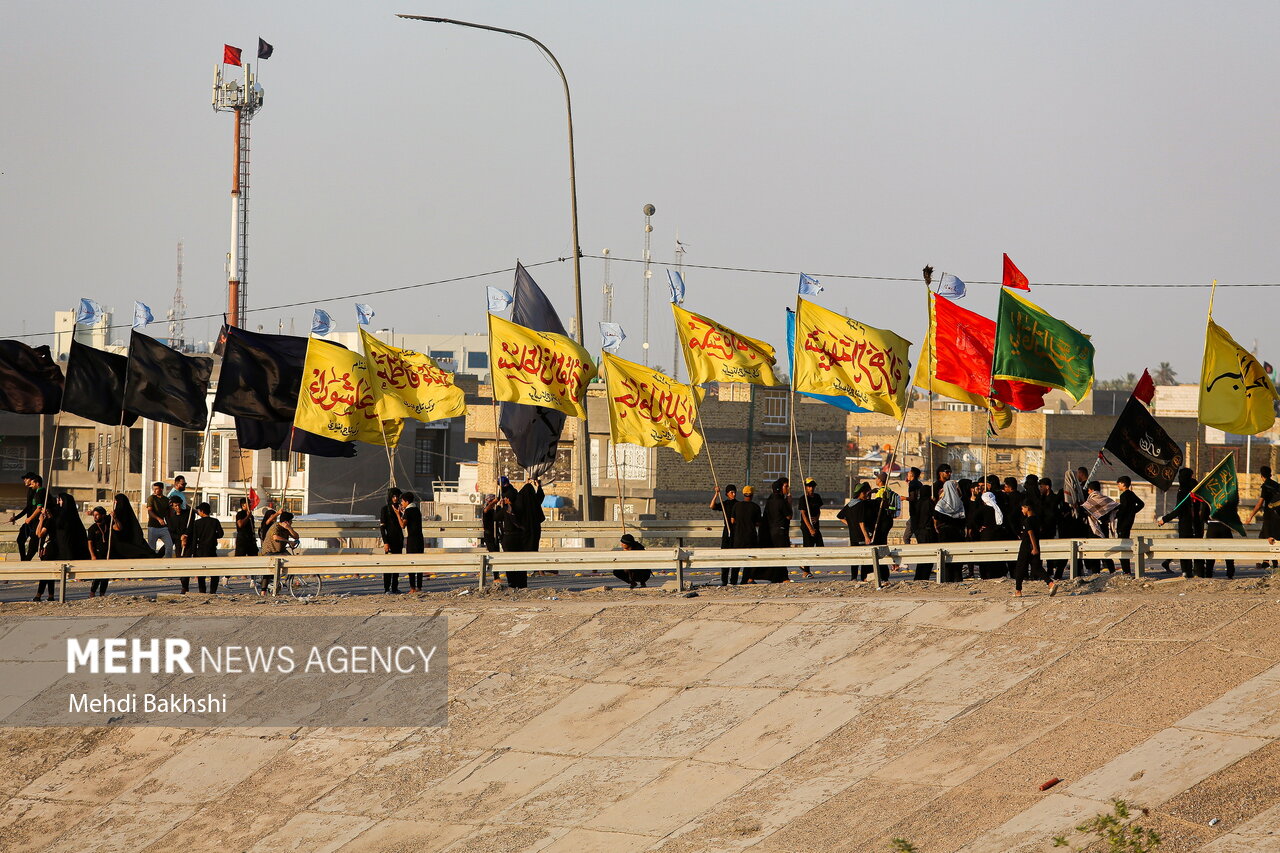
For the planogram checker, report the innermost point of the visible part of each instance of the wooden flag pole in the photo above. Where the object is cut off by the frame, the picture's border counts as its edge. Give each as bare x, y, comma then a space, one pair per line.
622, 497
706, 445
933, 356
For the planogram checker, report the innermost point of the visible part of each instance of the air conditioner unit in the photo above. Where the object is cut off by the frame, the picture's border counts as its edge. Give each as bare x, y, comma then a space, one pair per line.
474, 497
70, 454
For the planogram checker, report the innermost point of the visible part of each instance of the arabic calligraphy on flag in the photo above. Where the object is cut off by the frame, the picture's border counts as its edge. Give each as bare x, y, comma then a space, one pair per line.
538, 368
1034, 346
838, 356
337, 398
715, 353
650, 409
408, 384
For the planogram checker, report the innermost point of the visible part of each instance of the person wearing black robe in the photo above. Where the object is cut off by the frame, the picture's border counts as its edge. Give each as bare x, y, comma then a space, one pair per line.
509, 527
69, 533
488, 523
392, 537
44, 521
811, 504
745, 521
127, 539
529, 506
634, 577
205, 533
246, 535
96, 537
949, 519
1187, 511
725, 508
775, 531
411, 519
179, 524
1269, 505
992, 526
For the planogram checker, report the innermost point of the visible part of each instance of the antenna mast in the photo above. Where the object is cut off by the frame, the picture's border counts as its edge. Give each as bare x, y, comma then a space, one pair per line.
178, 312
608, 291
243, 99
649, 210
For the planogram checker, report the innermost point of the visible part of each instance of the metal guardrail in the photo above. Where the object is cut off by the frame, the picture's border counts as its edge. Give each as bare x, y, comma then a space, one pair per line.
1141, 550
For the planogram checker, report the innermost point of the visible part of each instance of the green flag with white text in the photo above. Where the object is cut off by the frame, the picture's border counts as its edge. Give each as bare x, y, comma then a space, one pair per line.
1034, 346
1219, 489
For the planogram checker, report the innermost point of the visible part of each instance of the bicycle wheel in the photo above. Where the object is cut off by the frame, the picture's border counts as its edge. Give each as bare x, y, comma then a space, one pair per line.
303, 586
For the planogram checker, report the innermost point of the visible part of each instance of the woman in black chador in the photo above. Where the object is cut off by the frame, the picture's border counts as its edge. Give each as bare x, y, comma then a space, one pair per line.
775, 529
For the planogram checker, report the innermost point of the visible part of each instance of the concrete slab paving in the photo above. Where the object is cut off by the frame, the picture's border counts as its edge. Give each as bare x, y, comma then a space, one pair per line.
890, 660
589, 716
782, 729
395, 836
790, 654
692, 719
686, 652
313, 833
208, 766
664, 805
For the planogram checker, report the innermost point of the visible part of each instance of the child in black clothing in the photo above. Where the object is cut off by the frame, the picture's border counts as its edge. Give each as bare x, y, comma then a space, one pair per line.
1029, 564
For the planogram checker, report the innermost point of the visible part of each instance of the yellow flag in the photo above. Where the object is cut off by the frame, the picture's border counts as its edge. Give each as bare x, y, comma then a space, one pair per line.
841, 357
1001, 414
408, 384
651, 409
716, 353
538, 368
337, 398
1236, 395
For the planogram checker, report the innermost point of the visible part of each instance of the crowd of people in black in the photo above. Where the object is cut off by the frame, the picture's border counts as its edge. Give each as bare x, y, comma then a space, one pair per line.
990, 509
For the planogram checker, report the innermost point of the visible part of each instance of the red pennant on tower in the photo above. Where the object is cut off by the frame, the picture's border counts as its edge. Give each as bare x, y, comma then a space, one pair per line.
1013, 276
1145, 390
231, 56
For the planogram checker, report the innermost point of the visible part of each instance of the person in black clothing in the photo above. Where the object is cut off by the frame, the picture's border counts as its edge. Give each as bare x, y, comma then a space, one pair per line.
179, 525
860, 515
1130, 506
1186, 511
97, 541
917, 506
526, 509
811, 504
510, 532
204, 535
1028, 564
392, 537
411, 519
775, 530
269, 512
1050, 511
490, 535
725, 508
46, 545
992, 526
246, 535
948, 519
28, 542
127, 539
634, 577
1269, 505
745, 521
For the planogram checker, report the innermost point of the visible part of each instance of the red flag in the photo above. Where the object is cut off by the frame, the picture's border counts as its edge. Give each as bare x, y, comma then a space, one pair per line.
965, 343
1146, 388
1013, 276
230, 55
253, 499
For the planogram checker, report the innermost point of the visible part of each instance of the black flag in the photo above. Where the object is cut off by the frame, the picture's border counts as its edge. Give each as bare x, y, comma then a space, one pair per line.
30, 381
259, 384
1141, 443
166, 386
532, 431
264, 50
94, 387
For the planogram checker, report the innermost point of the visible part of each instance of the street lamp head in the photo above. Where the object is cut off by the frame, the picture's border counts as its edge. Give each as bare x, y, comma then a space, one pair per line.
650, 210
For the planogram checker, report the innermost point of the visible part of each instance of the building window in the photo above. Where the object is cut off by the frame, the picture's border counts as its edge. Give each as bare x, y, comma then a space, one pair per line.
135, 451
215, 451
445, 356
775, 408
190, 450
773, 461
429, 454
477, 361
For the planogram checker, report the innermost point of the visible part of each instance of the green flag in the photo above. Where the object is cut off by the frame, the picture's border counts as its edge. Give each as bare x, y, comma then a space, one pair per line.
1034, 346
1219, 489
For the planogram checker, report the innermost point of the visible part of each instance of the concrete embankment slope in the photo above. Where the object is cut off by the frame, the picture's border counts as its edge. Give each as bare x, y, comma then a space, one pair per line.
828, 718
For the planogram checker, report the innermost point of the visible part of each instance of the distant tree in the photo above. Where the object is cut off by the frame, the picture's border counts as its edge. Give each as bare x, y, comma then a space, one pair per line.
1165, 374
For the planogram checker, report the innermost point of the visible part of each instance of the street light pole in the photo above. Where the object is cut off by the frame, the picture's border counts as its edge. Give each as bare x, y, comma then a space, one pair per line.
584, 433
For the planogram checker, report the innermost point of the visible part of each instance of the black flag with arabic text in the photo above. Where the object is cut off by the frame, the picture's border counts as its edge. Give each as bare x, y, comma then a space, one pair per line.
94, 387
1141, 443
30, 381
165, 385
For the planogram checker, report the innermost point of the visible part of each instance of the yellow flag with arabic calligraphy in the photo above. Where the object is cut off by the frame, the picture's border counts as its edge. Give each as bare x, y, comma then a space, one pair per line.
408, 384
838, 356
716, 353
337, 399
1236, 395
651, 409
538, 368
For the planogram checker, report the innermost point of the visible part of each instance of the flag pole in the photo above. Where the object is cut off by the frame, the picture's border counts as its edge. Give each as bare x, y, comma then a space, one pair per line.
933, 356
714, 479
617, 477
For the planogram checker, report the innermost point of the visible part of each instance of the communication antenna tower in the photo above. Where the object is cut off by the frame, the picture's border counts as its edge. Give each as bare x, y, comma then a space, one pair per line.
244, 99
178, 311
607, 316
649, 210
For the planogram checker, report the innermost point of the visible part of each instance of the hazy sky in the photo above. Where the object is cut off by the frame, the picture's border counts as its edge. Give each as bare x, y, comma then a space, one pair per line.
1094, 142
